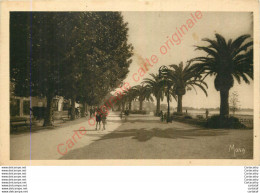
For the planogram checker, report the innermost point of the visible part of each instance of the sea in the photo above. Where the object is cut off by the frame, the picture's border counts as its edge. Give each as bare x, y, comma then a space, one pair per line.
214, 112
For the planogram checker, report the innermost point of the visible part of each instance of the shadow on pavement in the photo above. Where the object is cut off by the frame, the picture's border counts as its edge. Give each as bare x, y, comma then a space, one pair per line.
143, 134
106, 147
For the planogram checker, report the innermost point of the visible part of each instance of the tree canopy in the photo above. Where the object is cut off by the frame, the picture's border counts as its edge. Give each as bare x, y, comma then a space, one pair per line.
80, 55
227, 61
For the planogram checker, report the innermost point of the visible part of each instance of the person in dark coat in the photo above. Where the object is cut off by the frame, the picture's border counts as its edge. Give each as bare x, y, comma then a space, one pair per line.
77, 112
104, 119
98, 119
207, 113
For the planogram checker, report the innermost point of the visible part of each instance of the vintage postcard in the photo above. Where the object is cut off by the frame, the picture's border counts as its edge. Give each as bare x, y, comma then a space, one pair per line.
129, 83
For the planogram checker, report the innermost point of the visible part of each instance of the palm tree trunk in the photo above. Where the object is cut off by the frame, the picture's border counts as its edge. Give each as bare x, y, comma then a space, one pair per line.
141, 105
168, 110
48, 112
73, 100
179, 108
158, 104
224, 106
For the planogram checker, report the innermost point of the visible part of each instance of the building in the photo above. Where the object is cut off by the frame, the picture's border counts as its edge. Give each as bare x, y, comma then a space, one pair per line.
20, 106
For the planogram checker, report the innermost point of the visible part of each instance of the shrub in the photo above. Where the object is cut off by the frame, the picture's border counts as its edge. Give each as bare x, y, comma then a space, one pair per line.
177, 114
216, 121
199, 117
187, 117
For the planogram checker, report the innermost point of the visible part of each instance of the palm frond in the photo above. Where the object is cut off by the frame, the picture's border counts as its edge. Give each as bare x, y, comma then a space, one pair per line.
232, 57
202, 88
221, 41
207, 50
238, 42
242, 48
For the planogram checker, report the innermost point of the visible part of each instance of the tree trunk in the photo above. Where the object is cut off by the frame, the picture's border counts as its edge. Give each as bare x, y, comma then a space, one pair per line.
224, 106
158, 104
73, 100
141, 105
123, 106
49, 111
179, 108
168, 111
130, 105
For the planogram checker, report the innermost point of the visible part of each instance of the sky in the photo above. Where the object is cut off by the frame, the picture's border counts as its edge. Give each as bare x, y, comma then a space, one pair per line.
149, 31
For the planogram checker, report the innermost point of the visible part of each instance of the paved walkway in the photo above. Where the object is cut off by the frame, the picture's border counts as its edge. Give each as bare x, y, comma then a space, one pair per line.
137, 137
142, 137
44, 142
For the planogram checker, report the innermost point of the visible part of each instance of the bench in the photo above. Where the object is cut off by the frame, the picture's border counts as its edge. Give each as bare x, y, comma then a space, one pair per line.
17, 122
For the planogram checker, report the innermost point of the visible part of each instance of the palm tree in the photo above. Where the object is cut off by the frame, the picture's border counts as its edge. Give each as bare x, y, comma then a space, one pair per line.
122, 102
143, 94
155, 85
227, 60
167, 88
130, 96
184, 78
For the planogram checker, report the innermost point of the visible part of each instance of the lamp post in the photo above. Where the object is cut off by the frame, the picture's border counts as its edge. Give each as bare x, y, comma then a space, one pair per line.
161, 69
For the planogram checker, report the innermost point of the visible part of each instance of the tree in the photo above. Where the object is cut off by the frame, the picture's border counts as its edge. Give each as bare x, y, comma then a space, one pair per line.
130, 96
79, 55
226, 60
155, 86
167, 87
20, 53
182, 79
100, 57
123, 102
35, 70
234, 102
143, 94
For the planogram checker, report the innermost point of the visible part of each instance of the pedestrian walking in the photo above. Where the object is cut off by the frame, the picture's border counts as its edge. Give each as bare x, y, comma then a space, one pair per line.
207, 113
77, 112
98, 119
104, 119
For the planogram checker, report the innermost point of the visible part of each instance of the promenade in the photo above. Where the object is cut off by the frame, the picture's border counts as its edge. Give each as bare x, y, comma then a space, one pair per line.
134, 137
